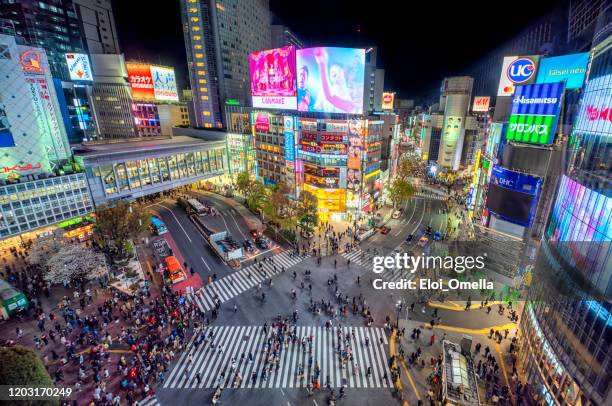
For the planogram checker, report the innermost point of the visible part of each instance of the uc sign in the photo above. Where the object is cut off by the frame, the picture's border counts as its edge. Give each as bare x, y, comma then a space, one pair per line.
521, 70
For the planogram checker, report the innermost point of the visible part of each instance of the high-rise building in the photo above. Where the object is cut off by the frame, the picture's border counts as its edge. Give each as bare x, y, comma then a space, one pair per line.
283, 36
456, 95
583, 15
567, 321
111, 98
38, 184
374, 82
218, 49
50, 24
97, 24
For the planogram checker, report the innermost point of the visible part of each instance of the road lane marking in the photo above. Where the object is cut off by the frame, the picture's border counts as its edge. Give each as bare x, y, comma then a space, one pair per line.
237, 226
175, 218
202, 258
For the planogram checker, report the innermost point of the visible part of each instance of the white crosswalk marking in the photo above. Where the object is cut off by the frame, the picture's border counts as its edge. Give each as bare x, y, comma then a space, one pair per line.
238, 343
430, 196
238, 282
148, 401
365, 260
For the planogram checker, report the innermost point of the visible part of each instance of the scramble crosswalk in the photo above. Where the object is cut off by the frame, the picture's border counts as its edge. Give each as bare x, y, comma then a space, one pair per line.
430, 196
365, 259
240, 281
212, 361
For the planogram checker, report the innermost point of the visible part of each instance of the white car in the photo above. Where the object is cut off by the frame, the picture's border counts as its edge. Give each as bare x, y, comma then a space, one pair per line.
396, 214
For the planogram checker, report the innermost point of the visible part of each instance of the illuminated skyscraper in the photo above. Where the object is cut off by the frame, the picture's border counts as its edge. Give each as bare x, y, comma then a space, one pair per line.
218, 48
566, 349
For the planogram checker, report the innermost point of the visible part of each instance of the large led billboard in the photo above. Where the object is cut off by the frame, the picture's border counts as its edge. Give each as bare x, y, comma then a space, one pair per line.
535, 109
273, 80
517, 70
595, 115
330, 80
151, 82
79, 67
355, 147
569, 68
513, 196
581, 228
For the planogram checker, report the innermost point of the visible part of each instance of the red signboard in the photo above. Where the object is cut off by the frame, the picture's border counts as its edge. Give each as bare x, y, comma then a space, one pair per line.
141, 81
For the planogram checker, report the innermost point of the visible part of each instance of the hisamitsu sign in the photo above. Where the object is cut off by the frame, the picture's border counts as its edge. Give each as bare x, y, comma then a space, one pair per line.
535, 109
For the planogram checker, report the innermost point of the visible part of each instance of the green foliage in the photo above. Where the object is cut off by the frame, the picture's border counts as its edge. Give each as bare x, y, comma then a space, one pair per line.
400, 190
306, 210
21, 366
244, 183
117, 224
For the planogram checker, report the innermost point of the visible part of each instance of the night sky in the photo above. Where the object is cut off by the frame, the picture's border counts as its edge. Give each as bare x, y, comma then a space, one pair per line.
418, 43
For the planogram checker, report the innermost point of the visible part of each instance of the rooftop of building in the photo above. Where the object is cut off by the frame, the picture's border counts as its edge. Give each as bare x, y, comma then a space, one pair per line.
140, 145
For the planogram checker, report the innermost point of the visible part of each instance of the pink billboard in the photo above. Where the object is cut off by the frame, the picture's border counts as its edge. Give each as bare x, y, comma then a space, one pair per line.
273, 78
262, 122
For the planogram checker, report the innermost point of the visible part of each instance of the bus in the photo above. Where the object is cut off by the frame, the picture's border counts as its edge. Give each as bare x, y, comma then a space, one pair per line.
158, 226
197, 207
11, 300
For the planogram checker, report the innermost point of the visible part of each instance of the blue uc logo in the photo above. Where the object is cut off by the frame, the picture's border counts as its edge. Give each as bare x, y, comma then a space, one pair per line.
521, 70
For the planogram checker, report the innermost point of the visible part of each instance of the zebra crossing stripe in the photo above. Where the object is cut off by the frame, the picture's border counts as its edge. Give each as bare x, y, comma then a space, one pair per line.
234, 284
148, 401
238, 341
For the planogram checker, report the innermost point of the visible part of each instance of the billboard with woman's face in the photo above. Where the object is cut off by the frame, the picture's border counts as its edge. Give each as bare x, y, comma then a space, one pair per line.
330, 80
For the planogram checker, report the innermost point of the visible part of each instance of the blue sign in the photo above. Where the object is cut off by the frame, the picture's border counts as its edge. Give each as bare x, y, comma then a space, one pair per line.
538, 99
570, 69
515, 180
6, 137
289, 139
521, 70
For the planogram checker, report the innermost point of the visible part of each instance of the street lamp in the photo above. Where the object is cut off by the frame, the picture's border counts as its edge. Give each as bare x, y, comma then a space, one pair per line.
399, 305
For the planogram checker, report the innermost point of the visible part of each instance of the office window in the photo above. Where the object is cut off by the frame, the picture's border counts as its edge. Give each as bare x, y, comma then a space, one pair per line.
198, 47
200, 65
199, 55
195, 28
195, 19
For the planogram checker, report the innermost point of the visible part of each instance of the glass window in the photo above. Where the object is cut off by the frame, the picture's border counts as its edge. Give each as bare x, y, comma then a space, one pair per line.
143, 170
153, 170
132, 170
172, 165
163, 168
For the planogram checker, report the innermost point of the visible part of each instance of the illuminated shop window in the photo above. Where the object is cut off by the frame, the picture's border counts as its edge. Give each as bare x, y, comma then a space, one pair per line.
197, 37
200, 65
202, 81
193, 10
195, 28
206, 113
199, 55
201, 72
195, 19
198, 46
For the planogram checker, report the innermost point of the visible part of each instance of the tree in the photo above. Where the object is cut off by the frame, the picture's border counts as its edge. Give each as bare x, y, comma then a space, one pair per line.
244, 184
280, 201
21, 366
400, 190
116, 225
257, 196
67, 262
406, 168
307, 210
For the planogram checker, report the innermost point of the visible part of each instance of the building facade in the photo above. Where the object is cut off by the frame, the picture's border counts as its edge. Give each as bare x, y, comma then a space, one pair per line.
282, 36
566, 351
97, 23
129, 170
51, 25
218, 51
172, 115
111, 97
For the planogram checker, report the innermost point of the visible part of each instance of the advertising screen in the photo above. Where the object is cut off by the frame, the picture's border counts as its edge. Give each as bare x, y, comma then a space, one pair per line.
79, 67
262, 122
481, 103
387, 100
513, 195
595, 114
355, 144
495, 131
569, 68
353, 179
580, 227
517, 70
6, 137
273, 79
164, 83
141, 81
535, 109
330, 80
